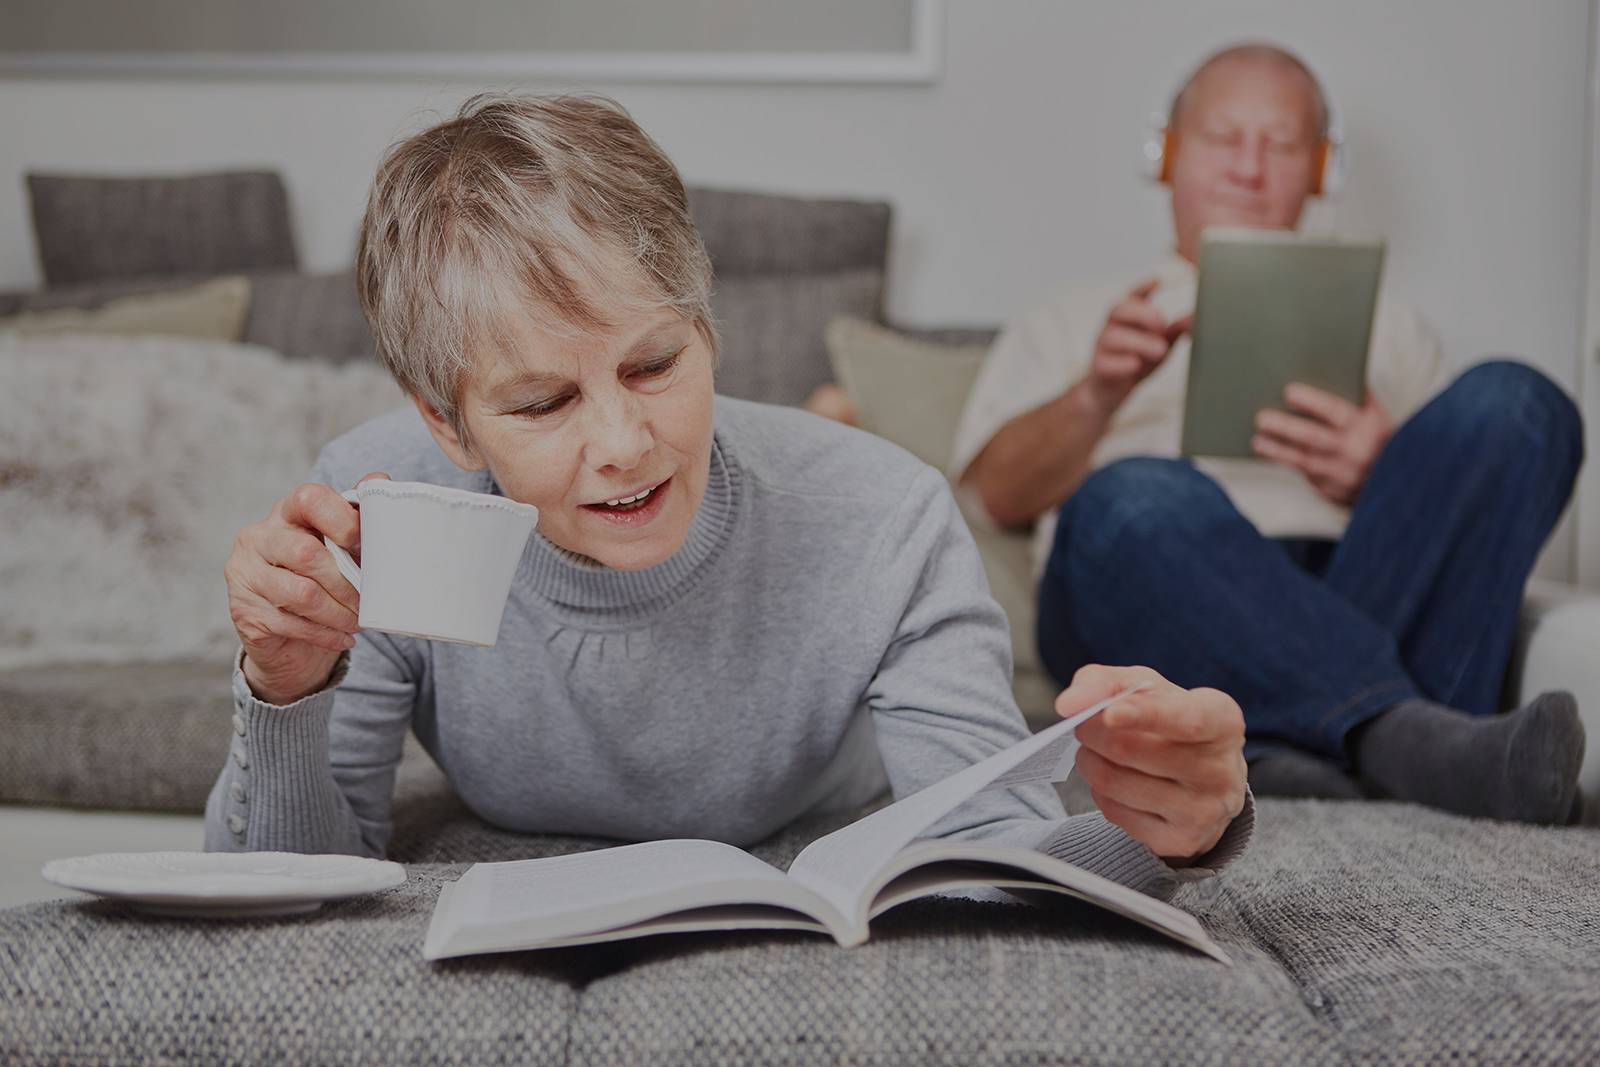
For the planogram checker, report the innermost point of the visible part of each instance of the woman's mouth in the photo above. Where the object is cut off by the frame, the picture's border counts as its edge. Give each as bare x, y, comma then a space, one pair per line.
635, 509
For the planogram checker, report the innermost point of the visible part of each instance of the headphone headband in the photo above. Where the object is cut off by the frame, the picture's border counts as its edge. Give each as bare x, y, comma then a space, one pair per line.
1331, 166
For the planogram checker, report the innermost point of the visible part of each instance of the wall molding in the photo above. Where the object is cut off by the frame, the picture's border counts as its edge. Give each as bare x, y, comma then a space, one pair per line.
921, 64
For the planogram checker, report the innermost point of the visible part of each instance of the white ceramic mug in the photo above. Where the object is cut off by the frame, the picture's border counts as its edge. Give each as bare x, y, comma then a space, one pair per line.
436, 562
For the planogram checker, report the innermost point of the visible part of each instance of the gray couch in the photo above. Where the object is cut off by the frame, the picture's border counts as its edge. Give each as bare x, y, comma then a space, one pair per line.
1361, 932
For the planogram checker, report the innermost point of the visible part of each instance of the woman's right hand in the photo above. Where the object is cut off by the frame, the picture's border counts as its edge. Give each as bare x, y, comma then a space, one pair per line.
294, 612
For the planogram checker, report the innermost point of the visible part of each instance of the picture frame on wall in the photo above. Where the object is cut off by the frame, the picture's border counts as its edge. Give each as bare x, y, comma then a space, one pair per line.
774, 41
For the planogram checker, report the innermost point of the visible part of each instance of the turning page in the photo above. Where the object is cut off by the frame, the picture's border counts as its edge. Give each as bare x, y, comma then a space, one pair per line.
843, 866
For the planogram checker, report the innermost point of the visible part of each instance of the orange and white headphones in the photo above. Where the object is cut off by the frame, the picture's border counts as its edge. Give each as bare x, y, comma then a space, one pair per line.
1332, 162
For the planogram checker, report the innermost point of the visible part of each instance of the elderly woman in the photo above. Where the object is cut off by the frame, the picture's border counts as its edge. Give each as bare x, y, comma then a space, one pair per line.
731, 615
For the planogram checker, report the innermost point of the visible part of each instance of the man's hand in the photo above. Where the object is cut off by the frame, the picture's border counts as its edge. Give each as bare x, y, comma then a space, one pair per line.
1166, 764
1331, 441
1133, 342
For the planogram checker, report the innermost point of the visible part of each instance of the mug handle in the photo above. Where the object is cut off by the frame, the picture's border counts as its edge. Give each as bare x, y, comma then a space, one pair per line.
346, 562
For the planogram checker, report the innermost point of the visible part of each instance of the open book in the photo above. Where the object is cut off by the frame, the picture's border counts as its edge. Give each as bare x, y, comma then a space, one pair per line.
836, 886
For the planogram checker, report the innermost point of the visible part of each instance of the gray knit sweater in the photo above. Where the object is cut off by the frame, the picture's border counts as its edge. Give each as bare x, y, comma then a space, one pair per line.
825, 632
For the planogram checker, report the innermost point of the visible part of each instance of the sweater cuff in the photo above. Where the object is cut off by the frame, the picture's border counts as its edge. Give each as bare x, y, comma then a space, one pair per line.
277, 796
1229, 847
1103, 848
243, 697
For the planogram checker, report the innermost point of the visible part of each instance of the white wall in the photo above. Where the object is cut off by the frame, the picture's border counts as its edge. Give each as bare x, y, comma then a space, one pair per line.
1016, 169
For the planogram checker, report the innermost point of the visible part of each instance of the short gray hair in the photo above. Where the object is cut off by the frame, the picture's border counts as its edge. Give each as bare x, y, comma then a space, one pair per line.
559, 206
1257, 51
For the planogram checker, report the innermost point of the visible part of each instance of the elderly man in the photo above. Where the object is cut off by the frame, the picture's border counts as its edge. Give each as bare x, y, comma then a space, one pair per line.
1356, 588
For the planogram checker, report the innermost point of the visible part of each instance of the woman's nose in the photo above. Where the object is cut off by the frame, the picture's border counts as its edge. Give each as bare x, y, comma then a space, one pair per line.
618, 435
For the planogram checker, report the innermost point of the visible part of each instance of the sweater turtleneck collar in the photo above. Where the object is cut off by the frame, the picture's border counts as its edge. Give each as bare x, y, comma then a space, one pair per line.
574, 582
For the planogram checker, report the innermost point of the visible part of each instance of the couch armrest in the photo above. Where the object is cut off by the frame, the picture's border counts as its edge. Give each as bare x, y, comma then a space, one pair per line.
1558, 647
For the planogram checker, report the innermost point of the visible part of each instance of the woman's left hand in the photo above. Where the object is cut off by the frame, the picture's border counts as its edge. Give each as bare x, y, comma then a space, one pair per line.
1165, 764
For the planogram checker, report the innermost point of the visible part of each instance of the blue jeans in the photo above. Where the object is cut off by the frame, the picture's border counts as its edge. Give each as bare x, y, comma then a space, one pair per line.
1152, 564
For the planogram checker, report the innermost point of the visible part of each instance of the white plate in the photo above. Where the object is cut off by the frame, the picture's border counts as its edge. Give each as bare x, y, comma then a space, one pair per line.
223, 884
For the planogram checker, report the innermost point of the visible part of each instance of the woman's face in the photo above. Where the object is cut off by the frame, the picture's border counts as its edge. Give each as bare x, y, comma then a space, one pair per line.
577, 425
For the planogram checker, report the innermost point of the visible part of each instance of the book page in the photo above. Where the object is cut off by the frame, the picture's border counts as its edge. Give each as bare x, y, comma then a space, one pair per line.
843, 866
929, 867
603, 878
545, 901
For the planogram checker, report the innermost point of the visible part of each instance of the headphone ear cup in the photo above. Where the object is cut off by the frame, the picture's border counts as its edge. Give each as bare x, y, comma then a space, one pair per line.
1335, 166
1319, 168
1169, 142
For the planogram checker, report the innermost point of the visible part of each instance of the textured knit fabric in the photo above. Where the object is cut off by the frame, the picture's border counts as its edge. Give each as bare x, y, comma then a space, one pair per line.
764, 234
824, 631
1361, 933
1043, 353
92, 229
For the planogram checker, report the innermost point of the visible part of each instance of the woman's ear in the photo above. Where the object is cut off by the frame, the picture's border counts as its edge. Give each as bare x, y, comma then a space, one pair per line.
461, 452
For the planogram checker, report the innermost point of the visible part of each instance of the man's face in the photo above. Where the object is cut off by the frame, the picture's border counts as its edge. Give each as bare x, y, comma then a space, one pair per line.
570, 423
1245, 152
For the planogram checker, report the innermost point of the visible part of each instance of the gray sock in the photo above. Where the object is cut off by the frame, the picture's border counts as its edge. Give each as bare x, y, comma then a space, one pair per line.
1521, 766
1290, 772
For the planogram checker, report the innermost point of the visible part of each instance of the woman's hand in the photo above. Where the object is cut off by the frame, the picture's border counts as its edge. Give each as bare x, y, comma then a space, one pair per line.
294, 612
1166, 764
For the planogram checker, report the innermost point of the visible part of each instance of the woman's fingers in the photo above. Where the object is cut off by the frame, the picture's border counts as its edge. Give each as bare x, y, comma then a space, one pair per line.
1152, 831
300, 595
1174, 819
319, 509
299, 628
1166, 764
1094, 683
261, 623
1146, 792
1189, 717
297, 549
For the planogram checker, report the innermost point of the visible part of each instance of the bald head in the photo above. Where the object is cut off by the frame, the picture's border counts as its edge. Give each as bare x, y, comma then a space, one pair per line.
1246, 143
1218, 64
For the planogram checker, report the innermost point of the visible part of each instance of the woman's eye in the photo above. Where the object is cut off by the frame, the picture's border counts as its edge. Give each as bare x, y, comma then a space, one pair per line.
659, 367
548, 407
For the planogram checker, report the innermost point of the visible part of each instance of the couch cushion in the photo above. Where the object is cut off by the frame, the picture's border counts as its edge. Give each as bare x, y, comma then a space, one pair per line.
212, 310
297, 314
139, 736
785, 267
1422, 937
1360, 933
91, 229
309, 316
772, 329
133, 737
763, 233
907, 391
95, 983
1555, 650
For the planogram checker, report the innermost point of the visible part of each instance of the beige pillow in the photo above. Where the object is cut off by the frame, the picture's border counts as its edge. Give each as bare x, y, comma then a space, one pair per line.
912, 392
213, 311
908, 391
